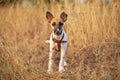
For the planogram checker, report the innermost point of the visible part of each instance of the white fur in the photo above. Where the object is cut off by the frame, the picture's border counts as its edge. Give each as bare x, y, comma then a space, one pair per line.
47, 41
62, 62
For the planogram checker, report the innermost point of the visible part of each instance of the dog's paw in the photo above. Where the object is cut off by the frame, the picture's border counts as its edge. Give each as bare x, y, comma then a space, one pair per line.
65, 63
61, 71
49, 70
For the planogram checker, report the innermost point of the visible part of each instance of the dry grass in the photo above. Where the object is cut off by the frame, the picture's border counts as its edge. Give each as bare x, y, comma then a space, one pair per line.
94, 41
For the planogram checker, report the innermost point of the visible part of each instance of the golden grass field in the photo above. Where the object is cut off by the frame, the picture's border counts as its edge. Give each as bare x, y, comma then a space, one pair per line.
93, 51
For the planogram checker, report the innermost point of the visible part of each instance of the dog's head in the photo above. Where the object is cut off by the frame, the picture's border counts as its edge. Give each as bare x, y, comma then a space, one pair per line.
56, 23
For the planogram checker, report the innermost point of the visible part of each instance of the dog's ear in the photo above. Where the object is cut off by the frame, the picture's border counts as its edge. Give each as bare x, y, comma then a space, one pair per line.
63, 16
49, 16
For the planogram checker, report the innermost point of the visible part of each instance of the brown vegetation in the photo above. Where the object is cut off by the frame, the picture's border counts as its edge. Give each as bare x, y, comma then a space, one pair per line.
93, 29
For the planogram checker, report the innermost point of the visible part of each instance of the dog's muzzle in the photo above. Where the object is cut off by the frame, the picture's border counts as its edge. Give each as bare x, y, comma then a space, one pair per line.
58, 30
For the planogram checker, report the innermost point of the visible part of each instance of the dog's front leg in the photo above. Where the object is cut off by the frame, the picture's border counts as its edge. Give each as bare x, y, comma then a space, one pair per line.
50, 64
62, 58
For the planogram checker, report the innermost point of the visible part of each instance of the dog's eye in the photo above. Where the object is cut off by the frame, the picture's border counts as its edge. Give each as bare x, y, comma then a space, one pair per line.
53, 24
60, 23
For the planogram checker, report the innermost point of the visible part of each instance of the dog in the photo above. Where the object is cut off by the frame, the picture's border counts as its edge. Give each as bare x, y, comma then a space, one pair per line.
58, 40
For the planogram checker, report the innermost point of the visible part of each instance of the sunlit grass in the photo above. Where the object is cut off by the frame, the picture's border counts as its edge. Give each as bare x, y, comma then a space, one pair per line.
24, 29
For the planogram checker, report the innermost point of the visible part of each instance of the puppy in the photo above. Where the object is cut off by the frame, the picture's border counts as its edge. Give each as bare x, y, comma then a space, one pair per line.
58, 40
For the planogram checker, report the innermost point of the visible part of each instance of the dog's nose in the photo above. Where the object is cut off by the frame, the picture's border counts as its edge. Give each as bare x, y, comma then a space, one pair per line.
58, 30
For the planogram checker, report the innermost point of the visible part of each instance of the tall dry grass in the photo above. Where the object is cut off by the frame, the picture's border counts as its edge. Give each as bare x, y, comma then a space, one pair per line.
93, 29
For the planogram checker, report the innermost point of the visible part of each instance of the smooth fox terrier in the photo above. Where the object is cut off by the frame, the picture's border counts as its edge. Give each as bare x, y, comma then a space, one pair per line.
58, 40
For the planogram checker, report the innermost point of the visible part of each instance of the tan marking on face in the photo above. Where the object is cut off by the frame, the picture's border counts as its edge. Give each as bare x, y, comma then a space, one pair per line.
56, 21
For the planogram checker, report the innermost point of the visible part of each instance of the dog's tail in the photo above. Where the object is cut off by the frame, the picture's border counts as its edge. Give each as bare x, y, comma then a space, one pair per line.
47, 41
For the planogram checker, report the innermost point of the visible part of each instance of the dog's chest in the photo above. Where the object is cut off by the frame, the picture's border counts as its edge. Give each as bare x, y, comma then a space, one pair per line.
57, 42
57, 37
57, 46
